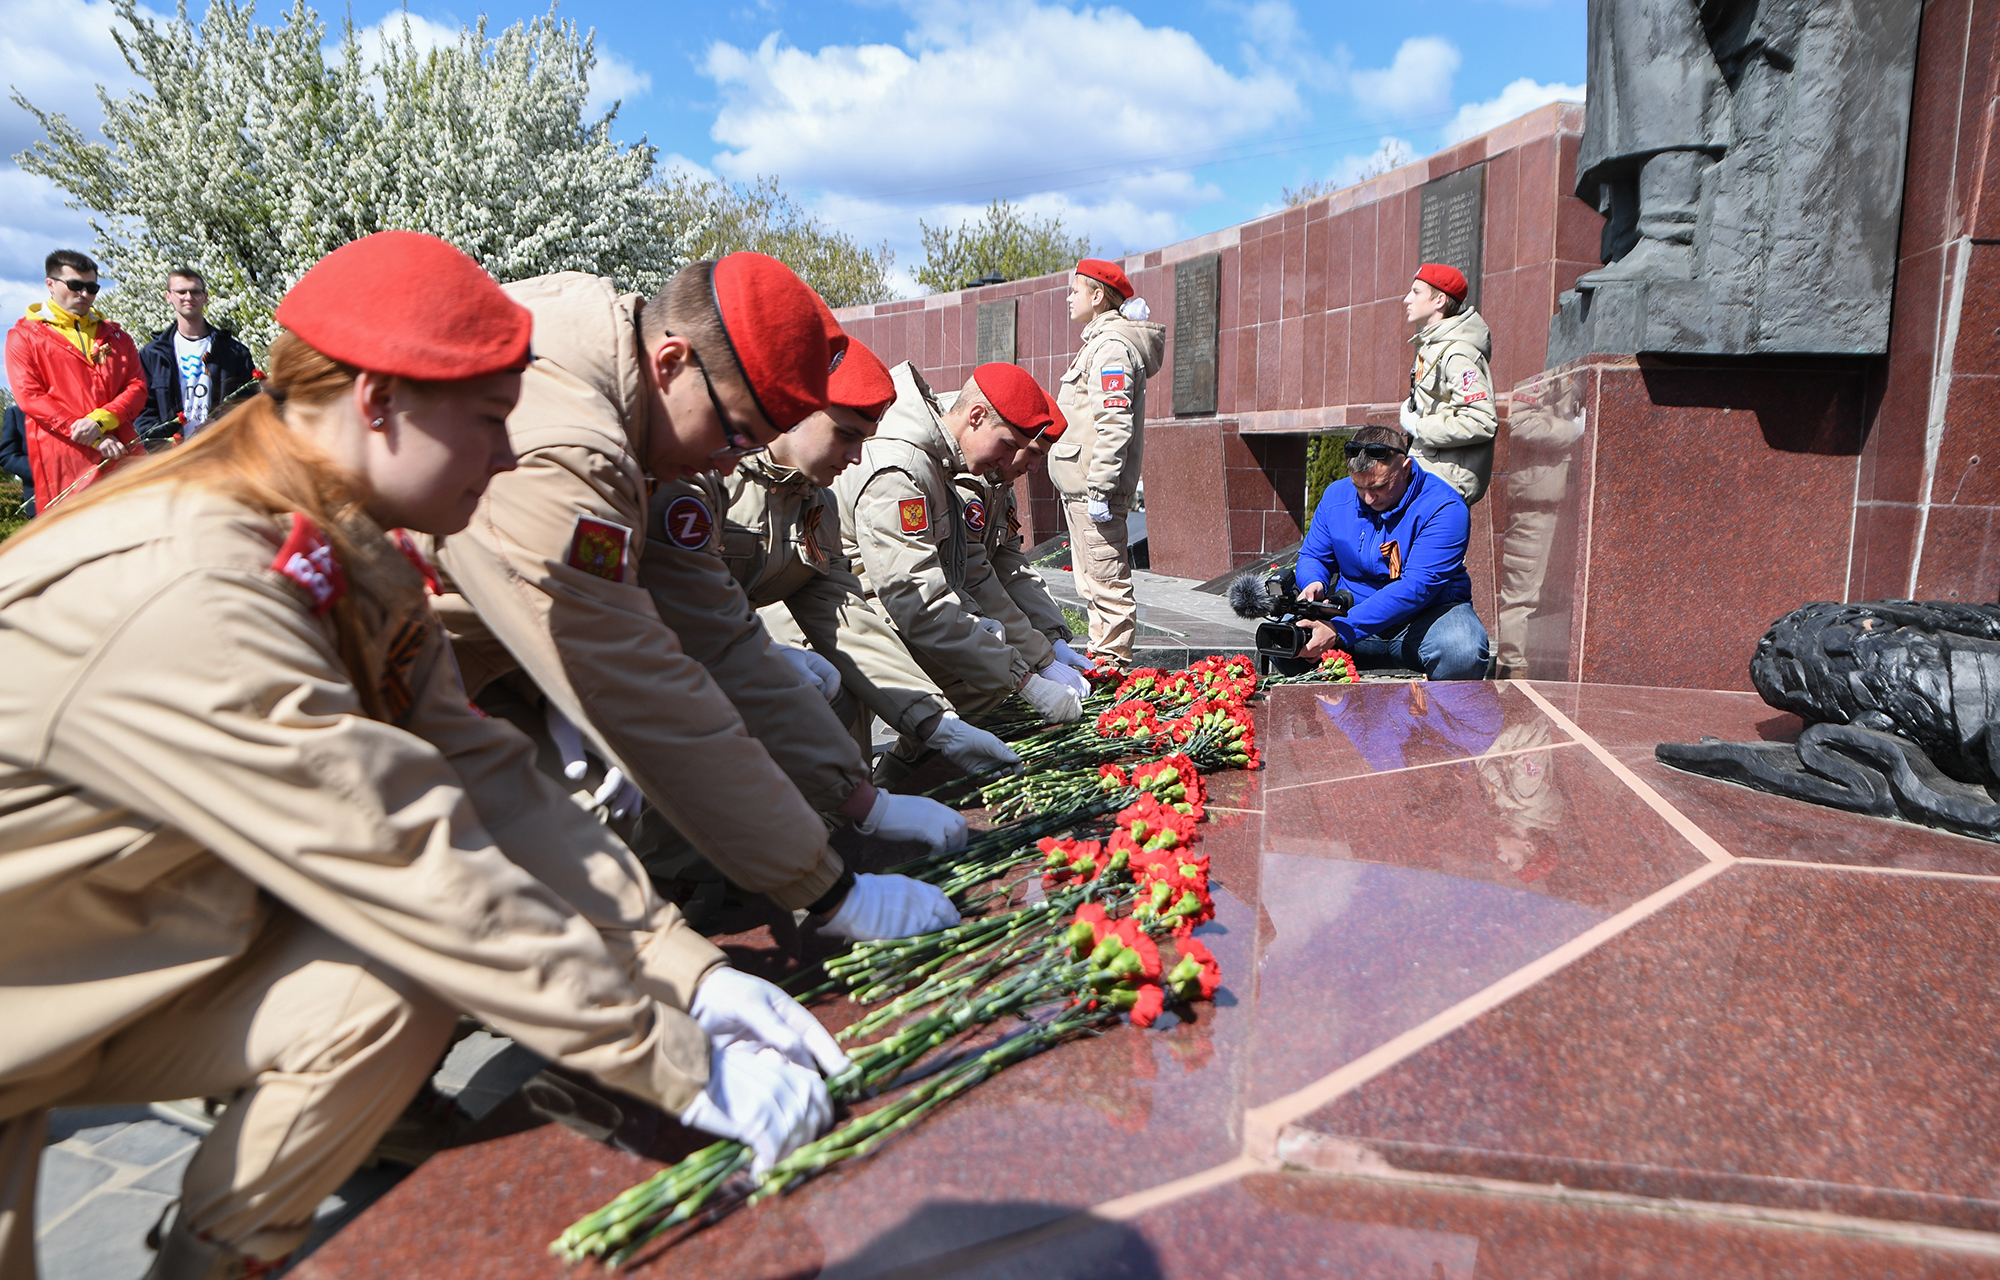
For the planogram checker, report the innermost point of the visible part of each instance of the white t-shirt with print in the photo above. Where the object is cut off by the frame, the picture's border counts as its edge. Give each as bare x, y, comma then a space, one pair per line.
196, 385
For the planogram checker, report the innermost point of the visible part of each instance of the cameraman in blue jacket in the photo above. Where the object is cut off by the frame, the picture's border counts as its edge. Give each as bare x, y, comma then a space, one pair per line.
1394, 535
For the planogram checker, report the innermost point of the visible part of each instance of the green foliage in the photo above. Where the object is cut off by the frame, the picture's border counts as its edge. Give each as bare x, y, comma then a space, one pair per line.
250, 154
1000, 242
1324, 465
11, 515
718, 218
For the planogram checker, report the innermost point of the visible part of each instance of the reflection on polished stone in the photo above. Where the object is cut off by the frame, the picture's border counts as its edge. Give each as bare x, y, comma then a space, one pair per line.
1556, 986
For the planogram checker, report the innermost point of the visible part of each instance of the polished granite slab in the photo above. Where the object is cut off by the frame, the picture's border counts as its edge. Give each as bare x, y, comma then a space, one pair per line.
1502, 997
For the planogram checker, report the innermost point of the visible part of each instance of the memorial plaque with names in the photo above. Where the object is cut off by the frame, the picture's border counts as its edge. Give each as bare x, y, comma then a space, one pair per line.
1451, 225
996, 331
1195, 295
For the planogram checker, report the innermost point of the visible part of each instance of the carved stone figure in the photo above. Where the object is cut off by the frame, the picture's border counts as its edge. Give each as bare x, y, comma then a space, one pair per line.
1748, 157
1900, 701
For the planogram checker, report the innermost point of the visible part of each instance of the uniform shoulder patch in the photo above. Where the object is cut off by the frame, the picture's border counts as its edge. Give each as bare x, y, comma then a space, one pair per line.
1112, 378
307, 559
599, 547
1118, 402
411, 552
915, 513
688, 522
975, 516
1468, 379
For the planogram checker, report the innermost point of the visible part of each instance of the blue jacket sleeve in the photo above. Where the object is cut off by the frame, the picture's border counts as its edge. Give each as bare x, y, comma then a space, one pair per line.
1317, 561
1437, 548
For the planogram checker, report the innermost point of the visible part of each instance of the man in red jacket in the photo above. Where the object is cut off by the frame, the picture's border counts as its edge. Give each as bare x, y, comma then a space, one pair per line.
77, 377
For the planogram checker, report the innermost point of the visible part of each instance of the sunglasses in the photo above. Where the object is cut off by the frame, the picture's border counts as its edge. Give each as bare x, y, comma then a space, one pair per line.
80, 286
739, 442
1374, 452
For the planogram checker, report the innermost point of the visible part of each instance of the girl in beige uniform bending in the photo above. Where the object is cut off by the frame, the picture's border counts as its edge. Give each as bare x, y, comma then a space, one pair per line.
253, 842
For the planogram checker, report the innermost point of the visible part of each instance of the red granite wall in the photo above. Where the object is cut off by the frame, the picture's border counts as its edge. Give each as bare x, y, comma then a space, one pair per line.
1311, 334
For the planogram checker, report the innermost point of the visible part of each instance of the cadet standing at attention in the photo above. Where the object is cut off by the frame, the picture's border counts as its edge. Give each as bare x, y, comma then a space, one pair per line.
902, 525
780, 540
1449, 414
547, 579
272, 866
1096, 467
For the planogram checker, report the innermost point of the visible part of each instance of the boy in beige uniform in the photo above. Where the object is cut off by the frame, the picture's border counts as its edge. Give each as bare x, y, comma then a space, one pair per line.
547, 578
1096, 467
902, 524
272, 866
1449, 414
780, 540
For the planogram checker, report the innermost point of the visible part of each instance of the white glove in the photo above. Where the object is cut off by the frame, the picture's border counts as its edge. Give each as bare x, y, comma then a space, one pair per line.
762, 1101
1099, 512
1071, 658
618, 795
86, 431
895, 817
1068, 677
1409, 417
813, 669
1058, 703
568, 740
890, 907
971, 749
739, 1010
992, 627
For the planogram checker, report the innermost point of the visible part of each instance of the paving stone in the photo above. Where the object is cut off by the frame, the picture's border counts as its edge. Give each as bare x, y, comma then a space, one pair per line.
167, 1178
105, 1239
91, 1125
146, 1143
66, 1178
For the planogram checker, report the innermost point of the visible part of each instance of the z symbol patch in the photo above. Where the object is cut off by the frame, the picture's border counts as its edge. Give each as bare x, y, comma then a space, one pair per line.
1112, 378
688, 523
916, 514
307, 559
975, 516
598, 548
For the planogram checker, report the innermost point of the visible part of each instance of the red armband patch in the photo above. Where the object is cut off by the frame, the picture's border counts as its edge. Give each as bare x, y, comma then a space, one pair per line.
1118, 402
975, 516
688, 522
307, 559
916, 514
598, 548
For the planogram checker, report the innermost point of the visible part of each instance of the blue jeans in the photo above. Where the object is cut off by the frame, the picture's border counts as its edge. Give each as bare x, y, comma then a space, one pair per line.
1445, 642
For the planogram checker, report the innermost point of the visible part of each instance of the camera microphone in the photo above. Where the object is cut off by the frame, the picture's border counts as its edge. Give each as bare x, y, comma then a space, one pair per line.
1247, 598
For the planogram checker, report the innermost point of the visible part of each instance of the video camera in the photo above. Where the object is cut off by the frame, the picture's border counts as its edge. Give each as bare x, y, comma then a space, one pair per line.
1277, 597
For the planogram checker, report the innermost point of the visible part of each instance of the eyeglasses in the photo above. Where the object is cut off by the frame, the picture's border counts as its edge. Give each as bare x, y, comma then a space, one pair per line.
80, 286
739, 442
1375, 452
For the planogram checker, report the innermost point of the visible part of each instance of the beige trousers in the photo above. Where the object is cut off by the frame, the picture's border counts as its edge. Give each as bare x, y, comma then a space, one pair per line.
317, 1048
1103, 568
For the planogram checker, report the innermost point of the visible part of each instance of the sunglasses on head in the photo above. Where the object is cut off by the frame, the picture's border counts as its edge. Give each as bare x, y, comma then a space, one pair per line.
1374, 452
79, 286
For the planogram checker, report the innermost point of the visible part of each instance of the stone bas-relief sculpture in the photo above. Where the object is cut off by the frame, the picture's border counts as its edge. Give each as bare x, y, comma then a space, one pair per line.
1748, 157
1900, 701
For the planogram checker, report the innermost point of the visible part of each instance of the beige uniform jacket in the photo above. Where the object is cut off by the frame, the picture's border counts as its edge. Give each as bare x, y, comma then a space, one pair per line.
1103, 397
184, 755
684, 571
780, 539
1452, 385
1035, 622
547, 579
902, 526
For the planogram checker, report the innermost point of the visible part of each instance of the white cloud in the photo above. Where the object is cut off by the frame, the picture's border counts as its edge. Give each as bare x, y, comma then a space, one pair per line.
1417, 83
615, 79
1517, 99
988, 100
1394, 153
424, 33
1274, 37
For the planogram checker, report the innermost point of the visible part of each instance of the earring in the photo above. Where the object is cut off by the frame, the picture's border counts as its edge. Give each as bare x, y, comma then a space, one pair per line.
378, 422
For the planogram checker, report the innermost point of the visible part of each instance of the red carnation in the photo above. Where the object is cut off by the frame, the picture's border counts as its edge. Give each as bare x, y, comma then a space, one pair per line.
1146, 1009
1198, 975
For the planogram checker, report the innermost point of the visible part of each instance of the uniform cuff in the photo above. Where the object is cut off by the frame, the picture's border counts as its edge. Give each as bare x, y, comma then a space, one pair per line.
672, 964
812, 886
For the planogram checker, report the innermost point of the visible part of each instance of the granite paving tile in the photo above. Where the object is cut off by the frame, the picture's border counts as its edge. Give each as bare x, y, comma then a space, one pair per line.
1807, 1039
1320, 733
1292, 1224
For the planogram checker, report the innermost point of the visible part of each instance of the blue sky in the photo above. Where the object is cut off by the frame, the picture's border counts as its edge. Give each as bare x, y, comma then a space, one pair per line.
1138, 125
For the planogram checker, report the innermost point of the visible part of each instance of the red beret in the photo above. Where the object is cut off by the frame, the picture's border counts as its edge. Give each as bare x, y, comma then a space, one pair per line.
1015, 395
785, 339
1107, 273
1444, 279
1057, 418
467, 328
862, 382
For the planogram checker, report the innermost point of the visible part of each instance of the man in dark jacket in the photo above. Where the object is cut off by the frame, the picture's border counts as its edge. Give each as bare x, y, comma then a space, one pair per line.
14, 454
191, 366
